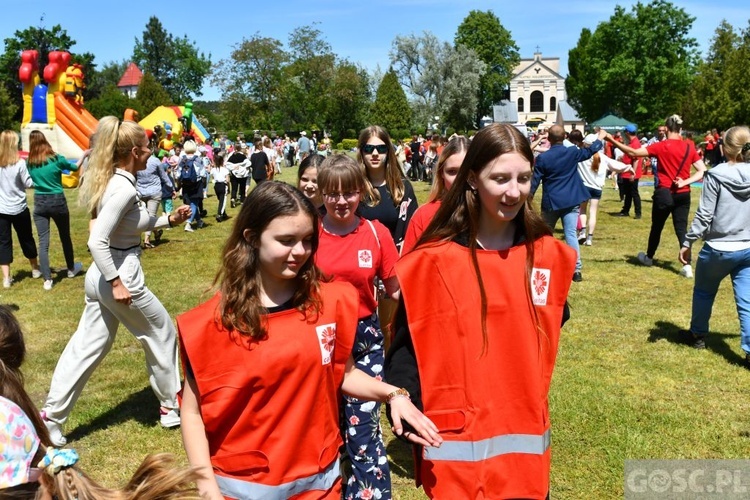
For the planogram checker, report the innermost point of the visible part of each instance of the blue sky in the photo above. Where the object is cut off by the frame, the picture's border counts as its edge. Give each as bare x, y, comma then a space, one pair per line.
360, 31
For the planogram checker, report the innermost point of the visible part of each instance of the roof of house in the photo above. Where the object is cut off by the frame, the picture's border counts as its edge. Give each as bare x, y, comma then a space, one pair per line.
567, 113
505, 112
131, 77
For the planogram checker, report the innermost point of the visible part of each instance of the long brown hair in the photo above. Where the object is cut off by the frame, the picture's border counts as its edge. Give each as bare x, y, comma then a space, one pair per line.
240, 309
393, 179
40, 151
460, 209
456, 145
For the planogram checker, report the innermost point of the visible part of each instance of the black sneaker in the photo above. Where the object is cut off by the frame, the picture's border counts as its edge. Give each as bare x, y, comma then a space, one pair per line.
620, 214
577, 277
693, 340
637, 217
218, 218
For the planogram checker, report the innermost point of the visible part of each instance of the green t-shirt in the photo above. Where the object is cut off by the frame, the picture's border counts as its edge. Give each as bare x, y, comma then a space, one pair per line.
47, 177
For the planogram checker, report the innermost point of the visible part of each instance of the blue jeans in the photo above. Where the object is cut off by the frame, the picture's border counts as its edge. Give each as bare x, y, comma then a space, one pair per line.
712, 267
569, 218
46, 207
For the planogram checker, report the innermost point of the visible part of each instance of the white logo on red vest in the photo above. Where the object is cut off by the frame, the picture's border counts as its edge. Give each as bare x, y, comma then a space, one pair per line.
365, 258
327, 340
539, 286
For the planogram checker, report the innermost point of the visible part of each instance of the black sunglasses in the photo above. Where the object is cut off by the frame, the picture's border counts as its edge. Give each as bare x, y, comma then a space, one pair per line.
369, 148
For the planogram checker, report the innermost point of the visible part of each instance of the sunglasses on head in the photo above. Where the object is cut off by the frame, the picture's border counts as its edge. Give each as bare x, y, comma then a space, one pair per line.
369, 148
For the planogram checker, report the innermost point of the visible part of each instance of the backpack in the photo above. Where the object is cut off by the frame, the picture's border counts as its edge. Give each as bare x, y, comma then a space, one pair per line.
188, 176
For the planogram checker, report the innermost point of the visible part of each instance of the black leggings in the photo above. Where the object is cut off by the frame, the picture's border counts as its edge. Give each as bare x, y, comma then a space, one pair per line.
22, 224
679, 211
238, 184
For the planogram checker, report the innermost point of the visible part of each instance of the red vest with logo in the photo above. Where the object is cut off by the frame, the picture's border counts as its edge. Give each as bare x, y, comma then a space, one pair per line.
490, 405
270, 406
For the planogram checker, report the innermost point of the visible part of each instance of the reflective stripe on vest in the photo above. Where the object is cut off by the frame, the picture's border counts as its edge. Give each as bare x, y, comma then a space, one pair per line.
237, 488
474, 451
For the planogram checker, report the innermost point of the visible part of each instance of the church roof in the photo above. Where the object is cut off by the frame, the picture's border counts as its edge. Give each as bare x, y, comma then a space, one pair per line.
131, 77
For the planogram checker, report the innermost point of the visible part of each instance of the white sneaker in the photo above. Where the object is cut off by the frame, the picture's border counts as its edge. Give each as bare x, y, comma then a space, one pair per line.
55, 432
189, 228
645, 260
581, 236
36, 273
7, 282
77, 268
47, 284
588, 242
686, 271
169, 418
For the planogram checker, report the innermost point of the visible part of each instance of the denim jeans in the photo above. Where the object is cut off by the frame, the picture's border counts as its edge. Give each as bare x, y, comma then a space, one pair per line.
712, 267
569, 218
46, 207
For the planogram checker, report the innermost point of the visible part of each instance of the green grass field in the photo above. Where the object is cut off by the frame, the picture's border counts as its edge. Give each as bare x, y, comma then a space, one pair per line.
623, 387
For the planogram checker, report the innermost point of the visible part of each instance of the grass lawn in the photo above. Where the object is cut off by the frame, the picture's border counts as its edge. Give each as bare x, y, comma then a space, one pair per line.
623, 387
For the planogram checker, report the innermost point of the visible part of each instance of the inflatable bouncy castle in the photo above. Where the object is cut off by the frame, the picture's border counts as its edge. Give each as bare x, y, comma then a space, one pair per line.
55, 106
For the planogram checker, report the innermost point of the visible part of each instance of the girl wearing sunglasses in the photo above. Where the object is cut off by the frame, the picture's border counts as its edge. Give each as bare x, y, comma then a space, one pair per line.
388, 197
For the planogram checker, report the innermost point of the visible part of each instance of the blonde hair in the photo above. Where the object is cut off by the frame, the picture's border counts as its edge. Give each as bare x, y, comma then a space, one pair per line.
189, 147
735, 140
114, 141
8, 148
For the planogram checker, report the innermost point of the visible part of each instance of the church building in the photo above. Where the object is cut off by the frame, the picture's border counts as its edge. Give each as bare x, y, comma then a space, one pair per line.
537, 94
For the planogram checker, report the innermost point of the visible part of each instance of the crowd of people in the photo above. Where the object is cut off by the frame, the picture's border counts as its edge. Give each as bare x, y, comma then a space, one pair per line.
341, 294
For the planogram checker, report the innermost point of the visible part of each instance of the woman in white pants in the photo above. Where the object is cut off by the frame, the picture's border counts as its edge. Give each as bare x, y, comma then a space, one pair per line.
115, 288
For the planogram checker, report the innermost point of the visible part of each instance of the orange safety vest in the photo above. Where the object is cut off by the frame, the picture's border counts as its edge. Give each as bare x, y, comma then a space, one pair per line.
270, 406
491, 408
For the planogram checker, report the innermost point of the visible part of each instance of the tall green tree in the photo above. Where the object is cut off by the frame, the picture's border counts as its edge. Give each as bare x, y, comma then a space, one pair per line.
254, 70
312, 66
708, 103
443, 79
638, 64
483, 32
112, 102
391, 108
8, 110
98, 80
174, 62
349, 100
151, 94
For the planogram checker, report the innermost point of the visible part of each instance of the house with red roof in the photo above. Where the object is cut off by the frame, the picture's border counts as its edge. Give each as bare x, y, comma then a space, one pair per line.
130, 80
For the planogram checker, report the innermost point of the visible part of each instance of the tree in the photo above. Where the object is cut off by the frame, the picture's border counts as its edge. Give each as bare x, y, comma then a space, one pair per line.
112, 102
433, 71
349, 100
307, 77
151, 94
8, 109
174, 62
254, 69
391, 108
637, 64
483, 32
98, 80
708, 102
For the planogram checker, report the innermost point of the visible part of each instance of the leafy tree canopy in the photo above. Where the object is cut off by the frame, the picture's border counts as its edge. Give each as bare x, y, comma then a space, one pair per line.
174, 62
638, 64
391, 108
483, 32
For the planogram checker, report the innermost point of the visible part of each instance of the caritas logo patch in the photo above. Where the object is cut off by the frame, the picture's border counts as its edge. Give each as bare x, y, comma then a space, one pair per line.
326, 341
540, 286
365, 258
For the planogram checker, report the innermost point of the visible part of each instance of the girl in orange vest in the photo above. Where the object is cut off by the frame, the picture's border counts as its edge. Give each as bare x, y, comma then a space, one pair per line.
482, 374
267, 358
445, 173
